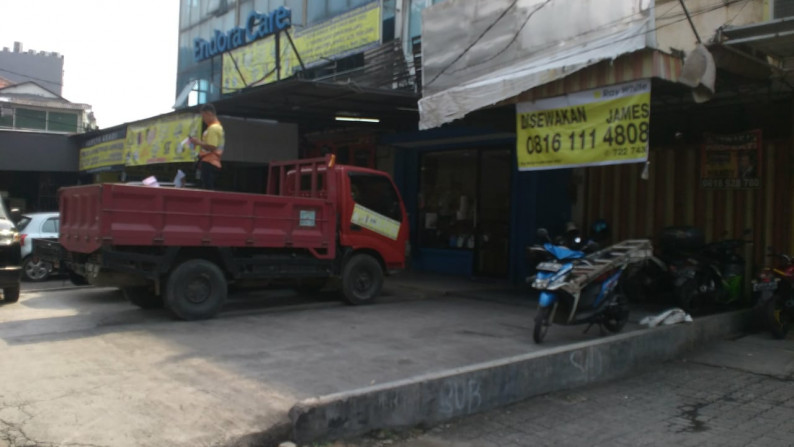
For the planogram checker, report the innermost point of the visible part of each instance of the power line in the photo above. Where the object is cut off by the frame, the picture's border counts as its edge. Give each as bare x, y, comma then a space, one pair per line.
512, 5
677, 18
515, 36
59, 84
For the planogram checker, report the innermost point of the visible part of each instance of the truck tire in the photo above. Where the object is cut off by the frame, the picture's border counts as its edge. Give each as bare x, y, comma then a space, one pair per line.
11, 294
362, 279
196, 290
142, 297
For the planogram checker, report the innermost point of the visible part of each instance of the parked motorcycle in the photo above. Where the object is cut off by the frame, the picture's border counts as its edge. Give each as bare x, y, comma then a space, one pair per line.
571, 238
652, 280
566, 300
712, 275
689, 272
772, 289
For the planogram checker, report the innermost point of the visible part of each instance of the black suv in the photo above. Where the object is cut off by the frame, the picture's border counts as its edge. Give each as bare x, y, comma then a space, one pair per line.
10, 262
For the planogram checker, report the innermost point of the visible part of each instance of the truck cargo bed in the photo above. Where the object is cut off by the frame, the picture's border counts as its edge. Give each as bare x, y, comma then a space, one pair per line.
132, 215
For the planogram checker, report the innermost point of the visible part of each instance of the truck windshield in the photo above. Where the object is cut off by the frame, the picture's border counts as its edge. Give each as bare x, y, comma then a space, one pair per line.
376, 193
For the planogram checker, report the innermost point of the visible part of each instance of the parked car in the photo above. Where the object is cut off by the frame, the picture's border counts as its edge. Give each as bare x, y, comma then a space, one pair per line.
36, 226
9, 257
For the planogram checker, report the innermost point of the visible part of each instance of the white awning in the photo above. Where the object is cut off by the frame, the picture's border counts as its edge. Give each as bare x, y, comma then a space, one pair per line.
509, 47
456, 102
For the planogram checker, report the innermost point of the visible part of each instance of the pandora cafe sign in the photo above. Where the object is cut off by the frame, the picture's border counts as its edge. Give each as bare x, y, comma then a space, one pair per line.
603, 126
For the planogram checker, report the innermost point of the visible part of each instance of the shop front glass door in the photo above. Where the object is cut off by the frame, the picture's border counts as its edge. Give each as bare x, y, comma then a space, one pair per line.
493, 214
464, 205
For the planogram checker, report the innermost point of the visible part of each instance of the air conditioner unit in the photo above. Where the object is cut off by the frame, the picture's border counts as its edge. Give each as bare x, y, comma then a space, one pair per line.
782, 8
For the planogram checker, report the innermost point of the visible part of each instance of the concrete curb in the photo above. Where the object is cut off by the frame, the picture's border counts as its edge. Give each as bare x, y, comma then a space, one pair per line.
433, 398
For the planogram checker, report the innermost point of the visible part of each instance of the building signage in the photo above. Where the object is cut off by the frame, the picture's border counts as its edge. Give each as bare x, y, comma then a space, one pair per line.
340, 36
603, 126
731, 161
162, 140
257, 26
103, 156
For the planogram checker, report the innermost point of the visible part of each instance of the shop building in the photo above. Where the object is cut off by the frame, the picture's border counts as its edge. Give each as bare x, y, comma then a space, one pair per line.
35, 125
732, 89
462, 171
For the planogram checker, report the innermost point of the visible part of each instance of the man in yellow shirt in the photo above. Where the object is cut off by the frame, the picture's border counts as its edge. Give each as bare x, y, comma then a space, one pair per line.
210, 146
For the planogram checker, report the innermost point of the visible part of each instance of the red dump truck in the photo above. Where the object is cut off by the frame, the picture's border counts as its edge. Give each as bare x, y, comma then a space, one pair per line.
181, 248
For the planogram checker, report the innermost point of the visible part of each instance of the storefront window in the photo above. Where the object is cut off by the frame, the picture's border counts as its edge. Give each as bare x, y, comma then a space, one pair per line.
447, 204
319, 10
62, 122
415, 18
31, 119
6, 117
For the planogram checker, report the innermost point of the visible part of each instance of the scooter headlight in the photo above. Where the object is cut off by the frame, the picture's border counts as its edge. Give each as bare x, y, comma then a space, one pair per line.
540, 283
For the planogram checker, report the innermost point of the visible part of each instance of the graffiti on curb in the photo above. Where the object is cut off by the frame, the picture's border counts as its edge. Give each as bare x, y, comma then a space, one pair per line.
460, 396
587, 361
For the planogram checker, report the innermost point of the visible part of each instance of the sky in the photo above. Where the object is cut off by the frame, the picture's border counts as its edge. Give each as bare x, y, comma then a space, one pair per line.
119, 55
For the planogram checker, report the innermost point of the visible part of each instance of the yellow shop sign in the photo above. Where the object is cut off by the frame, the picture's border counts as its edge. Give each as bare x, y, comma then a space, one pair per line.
603, 126
162, 140
102, 156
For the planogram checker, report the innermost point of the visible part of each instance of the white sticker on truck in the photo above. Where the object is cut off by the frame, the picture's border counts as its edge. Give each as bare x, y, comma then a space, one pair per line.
376, 222
308, 218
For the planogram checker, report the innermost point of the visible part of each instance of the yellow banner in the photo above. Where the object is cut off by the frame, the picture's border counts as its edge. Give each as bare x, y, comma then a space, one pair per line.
102, 156
378, 223
604, 126
162, 140
255, 63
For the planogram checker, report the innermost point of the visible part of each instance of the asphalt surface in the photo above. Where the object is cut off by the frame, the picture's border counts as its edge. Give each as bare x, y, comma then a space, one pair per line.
81, 366
731, 393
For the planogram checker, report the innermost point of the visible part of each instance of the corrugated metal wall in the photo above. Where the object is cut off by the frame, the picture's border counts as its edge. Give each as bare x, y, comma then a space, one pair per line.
672, 196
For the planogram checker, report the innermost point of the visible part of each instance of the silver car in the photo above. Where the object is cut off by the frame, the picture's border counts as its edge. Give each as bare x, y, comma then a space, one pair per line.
36, 226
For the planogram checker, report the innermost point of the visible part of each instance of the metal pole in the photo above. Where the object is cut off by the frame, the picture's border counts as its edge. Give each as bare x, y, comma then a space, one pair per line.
278, 56
292, 44
690, 20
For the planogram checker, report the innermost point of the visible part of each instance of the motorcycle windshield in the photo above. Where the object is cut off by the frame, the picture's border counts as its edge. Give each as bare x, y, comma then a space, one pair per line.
563, 253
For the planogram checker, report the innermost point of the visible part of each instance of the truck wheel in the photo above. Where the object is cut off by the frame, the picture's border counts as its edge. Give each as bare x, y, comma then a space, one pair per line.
362, 279
196, 290
142, 297
11, 294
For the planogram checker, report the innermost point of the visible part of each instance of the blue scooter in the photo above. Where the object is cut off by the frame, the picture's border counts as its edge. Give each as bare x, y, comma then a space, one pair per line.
576, 288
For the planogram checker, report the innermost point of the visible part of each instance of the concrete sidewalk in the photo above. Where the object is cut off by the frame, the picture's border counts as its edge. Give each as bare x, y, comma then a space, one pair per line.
91, 369
568, 359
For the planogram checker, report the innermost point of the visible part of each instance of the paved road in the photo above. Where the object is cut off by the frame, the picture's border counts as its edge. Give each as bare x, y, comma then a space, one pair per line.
734, 393
80, 366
